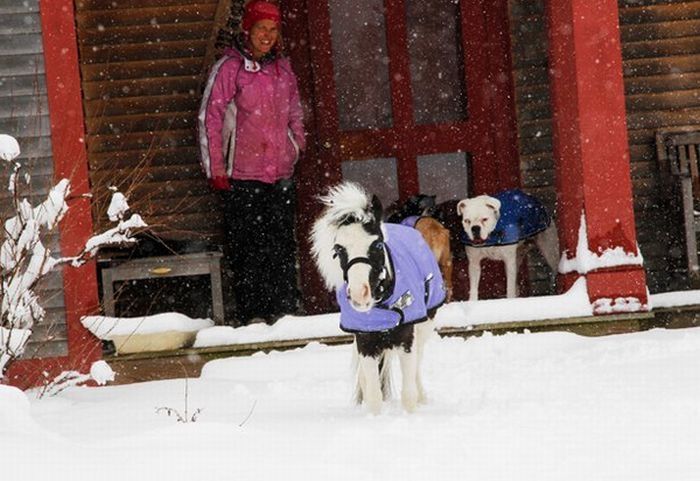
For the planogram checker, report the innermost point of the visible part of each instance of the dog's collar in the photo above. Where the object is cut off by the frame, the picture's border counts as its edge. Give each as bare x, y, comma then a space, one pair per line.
498, 238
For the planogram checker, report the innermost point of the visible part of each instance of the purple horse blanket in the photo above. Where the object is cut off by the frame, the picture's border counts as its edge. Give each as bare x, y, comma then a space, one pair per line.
418, 286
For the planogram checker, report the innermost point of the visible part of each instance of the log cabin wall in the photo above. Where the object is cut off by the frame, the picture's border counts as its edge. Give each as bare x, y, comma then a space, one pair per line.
24, 114
143, 64
529, 57
661, 59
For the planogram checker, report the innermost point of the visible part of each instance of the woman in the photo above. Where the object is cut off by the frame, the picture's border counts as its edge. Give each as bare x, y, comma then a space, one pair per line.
251, 134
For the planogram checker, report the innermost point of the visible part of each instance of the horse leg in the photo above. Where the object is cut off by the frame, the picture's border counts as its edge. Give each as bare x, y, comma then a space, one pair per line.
409, 376
423, 332
359, 379
385, 375
370, 383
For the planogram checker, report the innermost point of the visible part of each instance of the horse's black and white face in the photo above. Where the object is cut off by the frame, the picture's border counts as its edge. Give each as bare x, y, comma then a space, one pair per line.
348, 246
360, 250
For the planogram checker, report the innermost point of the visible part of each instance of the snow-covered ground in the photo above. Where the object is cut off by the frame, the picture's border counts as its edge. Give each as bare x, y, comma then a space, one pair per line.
514, 407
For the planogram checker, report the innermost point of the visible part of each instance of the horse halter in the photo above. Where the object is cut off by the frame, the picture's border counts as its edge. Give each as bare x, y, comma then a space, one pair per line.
380, 275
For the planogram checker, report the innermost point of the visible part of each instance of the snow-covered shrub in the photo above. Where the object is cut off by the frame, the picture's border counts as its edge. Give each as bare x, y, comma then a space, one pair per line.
100, 373
24, 260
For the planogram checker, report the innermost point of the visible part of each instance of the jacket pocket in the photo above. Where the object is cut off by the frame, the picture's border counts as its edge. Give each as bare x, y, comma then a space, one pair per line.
249, 95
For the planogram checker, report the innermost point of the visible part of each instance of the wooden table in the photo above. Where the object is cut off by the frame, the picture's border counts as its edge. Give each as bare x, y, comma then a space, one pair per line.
178, 265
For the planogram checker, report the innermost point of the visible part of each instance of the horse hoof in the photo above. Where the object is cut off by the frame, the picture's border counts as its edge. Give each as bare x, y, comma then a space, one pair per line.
374, 408
410, 403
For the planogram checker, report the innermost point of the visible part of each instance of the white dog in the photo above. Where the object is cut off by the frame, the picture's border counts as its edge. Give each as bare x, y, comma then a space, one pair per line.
498, 227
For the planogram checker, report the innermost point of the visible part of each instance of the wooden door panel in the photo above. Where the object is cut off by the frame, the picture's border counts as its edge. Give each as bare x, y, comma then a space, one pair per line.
399, 130
400, 124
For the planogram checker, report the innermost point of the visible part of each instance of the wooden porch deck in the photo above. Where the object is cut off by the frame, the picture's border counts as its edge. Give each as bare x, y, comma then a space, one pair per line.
188, 362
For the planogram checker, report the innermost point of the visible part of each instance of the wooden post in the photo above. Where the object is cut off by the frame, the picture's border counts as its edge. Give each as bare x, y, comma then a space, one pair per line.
70, 161
591, 150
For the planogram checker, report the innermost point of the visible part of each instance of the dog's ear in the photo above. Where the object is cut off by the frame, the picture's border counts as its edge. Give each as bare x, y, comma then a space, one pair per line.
494, 204
426, 202
461, 206
376, 207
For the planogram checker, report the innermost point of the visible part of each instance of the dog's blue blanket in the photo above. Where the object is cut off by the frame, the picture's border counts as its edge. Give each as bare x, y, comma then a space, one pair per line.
418, 286
522, 216
410, 221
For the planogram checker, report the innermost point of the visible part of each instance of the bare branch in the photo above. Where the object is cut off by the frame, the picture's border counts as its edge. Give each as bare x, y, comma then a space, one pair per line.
24, 260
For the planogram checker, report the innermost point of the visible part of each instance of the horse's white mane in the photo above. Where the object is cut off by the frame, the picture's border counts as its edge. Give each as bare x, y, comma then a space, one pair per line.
347, 199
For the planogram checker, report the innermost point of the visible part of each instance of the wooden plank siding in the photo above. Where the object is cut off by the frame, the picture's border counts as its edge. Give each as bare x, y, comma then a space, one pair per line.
661, 45
143, 64
529, 57
661, 61
24, 115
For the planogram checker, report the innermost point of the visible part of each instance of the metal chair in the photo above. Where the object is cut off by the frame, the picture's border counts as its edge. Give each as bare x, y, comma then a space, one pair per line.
678, 151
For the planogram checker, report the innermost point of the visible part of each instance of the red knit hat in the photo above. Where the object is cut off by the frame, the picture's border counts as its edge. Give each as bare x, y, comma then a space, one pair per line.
257, 10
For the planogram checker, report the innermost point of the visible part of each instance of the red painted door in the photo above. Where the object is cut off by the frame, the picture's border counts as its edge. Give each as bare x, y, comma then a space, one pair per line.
407, 96
414, 95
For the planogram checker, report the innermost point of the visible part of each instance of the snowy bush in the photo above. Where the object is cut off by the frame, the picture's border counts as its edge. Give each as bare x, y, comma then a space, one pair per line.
100, 373
24, 260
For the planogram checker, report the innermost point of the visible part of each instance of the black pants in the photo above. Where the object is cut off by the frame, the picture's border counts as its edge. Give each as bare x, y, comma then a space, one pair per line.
261, 249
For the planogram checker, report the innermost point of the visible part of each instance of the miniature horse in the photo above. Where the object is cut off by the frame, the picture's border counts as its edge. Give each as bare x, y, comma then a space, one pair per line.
388, 286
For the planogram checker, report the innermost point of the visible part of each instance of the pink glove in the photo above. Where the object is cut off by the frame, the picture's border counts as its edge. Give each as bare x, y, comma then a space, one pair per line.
220, 183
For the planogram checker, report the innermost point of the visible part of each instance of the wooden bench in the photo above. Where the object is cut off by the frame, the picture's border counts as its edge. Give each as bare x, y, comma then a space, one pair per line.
678, 152
180, 265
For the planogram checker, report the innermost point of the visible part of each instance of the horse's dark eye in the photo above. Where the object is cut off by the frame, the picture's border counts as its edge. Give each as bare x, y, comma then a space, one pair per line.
376, 246
340, 253
376, 253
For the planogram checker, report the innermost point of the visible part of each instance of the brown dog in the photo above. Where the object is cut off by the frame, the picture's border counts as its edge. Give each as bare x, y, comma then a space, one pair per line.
438, 239
435, 234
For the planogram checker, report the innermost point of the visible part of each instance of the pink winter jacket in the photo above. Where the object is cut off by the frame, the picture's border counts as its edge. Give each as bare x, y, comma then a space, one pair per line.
250, 120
